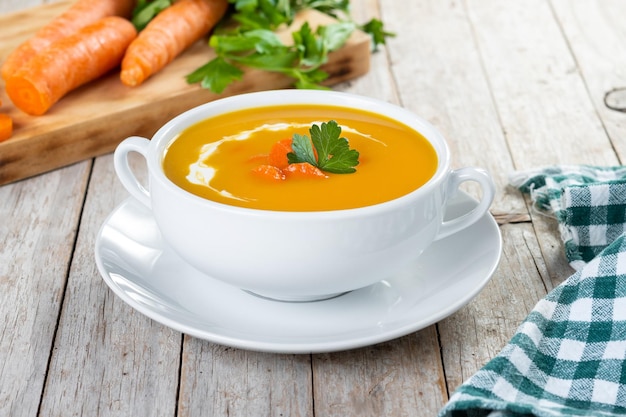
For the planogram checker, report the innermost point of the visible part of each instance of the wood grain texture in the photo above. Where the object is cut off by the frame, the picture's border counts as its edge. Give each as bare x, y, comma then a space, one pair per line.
39, 223
243, 383
400, 378
448, 86
593, 31
511, 85
18, 5
96, 117
108, 359
475, 334
546, 111
542, 100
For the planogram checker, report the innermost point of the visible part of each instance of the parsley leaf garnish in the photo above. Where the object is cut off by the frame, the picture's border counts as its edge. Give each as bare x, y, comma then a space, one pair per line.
252, 42
215, 75
377, 31
245, 38
333, 151
262, 49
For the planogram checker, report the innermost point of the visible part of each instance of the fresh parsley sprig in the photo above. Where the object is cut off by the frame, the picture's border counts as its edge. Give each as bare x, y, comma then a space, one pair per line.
333, 151
252, 42
377, 31
270, 14
262, 49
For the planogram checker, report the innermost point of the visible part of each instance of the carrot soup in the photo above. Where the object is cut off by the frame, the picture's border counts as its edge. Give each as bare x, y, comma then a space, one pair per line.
221, 158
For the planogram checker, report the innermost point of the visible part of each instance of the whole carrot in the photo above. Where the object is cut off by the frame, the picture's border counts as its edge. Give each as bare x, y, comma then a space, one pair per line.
80, 14
167, 35
68, 63
6, 126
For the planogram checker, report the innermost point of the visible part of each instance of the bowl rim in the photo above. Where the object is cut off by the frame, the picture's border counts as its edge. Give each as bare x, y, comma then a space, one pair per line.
169, 130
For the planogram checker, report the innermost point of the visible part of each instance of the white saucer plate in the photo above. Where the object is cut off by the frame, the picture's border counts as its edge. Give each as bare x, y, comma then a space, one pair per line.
144, 272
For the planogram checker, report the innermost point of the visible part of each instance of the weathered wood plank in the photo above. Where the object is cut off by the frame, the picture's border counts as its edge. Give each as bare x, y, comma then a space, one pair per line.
440, 77
108, 359
243, 383
540, 95
39, 222
9, 6
379, 82
497, 78
445, 80
594, 31
398, 378
477, 332
541, 98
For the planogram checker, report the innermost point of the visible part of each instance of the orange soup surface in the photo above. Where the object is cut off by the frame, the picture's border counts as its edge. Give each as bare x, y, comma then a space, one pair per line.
216, 159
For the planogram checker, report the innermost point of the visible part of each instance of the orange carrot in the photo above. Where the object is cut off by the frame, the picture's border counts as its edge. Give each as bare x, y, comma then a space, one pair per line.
299, 170
278, 167
278, 153
80, 14
68, 63
167, 35
6, 126
303, 170
269, 172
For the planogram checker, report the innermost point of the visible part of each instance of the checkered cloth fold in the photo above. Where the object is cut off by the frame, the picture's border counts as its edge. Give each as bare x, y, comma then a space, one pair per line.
568, 357
588, 202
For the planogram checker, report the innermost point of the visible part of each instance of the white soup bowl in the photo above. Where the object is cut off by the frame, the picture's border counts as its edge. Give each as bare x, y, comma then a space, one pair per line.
299, 256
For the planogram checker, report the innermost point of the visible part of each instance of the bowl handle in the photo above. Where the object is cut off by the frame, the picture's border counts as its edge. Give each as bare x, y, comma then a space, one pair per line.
125, 173
455, 179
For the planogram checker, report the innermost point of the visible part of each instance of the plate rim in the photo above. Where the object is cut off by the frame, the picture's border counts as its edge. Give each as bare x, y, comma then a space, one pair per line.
299, 347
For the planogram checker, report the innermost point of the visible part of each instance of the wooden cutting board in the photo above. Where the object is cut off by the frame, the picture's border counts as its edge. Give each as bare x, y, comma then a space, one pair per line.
94, 119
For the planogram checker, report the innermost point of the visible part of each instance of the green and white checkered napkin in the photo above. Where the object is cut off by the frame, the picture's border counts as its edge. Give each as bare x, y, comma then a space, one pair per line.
568, 358
588, 202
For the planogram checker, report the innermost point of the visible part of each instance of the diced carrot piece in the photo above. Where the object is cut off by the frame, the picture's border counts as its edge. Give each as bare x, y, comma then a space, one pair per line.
304, 170
6, 126
278, 153
269, 172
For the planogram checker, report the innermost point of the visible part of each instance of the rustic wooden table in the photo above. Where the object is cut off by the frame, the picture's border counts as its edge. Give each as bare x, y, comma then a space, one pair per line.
512, 85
